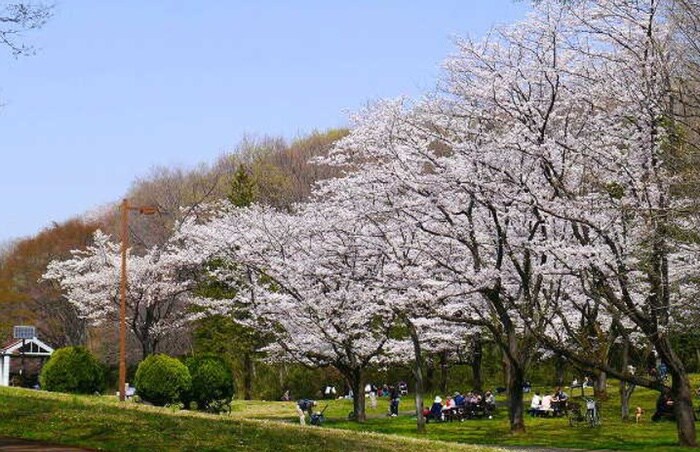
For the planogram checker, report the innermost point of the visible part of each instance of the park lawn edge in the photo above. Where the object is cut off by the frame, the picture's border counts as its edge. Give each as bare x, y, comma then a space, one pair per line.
361, 438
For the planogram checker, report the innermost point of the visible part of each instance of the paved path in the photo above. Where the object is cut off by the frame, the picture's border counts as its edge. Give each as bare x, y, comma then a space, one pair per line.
23, 445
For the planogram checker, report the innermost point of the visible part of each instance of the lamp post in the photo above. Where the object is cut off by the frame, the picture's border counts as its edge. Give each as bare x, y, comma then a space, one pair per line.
143, 210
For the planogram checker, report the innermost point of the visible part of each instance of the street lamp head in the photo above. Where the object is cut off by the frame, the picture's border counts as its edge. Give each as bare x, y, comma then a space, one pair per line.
148, 210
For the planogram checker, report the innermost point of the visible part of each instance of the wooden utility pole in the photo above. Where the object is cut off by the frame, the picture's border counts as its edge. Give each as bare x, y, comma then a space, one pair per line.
122, 301
125, 208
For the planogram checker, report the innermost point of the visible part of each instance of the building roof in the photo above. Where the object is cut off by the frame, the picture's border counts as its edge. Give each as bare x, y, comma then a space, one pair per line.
28, 347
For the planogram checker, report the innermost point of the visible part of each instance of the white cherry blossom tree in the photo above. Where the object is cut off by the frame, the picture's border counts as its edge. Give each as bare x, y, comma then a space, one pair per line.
158, 290
309, 281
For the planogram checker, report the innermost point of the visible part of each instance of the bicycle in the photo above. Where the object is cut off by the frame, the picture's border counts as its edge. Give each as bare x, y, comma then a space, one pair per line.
592, 417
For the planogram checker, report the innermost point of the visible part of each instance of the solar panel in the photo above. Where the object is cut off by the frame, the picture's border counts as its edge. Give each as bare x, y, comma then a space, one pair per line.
24, 332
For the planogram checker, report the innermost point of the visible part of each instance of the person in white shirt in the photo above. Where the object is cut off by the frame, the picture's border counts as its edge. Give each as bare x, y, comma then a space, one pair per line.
546, 407
371, 392
535, 404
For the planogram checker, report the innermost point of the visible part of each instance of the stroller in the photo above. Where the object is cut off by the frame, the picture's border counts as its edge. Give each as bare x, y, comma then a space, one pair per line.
590, 418
318, 418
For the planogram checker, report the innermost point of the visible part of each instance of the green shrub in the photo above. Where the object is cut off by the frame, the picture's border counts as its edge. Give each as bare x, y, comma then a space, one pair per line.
162, 380
74, 370
212, 383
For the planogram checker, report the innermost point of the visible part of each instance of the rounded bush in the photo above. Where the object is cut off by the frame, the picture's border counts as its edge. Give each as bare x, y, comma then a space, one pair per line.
74, 370
162, 380
212, 382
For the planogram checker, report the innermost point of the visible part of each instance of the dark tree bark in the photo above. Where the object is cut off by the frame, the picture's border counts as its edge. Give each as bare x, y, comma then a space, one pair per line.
560, 367
680, 392
626, 388
516, 409
444, 368
356, 380
248, 370
418, 375
477, 356
429, 377
600, 384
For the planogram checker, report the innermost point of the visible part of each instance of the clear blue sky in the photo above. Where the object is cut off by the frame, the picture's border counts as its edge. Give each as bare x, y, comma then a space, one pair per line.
118, 87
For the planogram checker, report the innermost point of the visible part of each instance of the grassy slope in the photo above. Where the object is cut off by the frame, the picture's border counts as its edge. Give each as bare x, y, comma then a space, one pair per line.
258, 425
102, 423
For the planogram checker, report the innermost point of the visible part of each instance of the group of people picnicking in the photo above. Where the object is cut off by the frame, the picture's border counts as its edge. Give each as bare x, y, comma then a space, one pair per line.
476, 404
554, 404
462, 406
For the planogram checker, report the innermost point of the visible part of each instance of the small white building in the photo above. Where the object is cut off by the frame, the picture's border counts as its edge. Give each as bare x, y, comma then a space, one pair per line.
19, 348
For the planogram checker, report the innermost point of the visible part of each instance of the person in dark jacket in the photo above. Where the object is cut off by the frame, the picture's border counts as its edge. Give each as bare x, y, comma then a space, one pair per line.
436, 409
305, 406
664, 407
459, 399
395, 398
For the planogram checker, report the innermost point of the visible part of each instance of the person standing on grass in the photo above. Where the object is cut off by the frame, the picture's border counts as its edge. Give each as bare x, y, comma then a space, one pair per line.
305, 406
395, 399
371, 392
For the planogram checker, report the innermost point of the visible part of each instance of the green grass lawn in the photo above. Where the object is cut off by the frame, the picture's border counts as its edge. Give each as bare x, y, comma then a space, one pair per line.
100, 422
541, 432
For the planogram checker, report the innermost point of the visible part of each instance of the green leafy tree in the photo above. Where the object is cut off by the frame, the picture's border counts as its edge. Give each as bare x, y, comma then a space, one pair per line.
244, 188
225, 335
161, 379
212, 383
73, 370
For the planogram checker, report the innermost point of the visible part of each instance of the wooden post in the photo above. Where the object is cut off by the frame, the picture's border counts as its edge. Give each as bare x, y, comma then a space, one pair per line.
122, 301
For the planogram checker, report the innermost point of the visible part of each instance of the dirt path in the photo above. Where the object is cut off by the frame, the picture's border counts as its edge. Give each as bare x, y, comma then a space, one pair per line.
23, 445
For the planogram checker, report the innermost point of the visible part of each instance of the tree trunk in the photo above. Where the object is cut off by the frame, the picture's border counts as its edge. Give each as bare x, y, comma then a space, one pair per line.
515, 372
560, 367
429, 377
626, 389
683, 409
660, 301
600, 383
356, 380
516, 410
147, 348
418, 375
247, 376
443, 372
680, 392
477, 354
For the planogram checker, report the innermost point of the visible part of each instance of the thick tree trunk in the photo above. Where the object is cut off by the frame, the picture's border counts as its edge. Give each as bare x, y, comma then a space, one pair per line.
626, 389
680, 393
477, 353
429, 378
600, 385
516, 409
418, 375
560, 366
147, 348
357, 384
683, 409
443, 372
247, 376
515, 379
